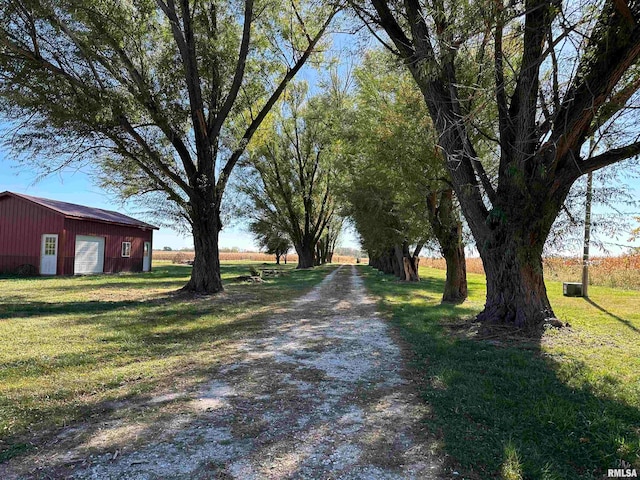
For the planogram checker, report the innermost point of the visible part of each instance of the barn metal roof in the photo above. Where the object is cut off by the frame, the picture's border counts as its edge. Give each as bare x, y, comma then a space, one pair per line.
71, 210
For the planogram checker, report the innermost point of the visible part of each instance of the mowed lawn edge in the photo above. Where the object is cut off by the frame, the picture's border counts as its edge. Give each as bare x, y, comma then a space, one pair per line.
563, 406
74, 348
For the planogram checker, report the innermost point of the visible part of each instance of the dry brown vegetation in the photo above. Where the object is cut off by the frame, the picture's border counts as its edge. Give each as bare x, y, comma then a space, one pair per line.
474, 265
185, 256
617, 272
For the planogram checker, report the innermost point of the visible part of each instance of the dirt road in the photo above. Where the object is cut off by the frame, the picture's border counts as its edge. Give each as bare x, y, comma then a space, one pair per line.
321, 393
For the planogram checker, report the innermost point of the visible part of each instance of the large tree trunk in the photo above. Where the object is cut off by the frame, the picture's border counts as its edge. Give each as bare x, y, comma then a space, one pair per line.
447, 229
388, 263
396, 262
455, 286
323, 250
384, 261
320, 259
512, 258
516, 293
306, 255
205, 275
409, 264
510, 238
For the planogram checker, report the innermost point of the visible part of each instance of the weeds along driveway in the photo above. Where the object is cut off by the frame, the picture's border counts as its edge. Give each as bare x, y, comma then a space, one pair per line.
321, 392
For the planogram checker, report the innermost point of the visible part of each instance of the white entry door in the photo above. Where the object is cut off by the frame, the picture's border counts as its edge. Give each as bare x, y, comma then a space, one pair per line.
146, 257
49, 254
89, 255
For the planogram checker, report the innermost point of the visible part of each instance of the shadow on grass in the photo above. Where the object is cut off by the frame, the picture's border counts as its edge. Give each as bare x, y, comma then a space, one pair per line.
253, 437
38, 308
627, 323
262, 415
124, 335
166, 276
167, 271
175, 318
498, 406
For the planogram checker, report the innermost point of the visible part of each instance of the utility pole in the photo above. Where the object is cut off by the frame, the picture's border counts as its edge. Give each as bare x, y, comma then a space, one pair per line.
587, 237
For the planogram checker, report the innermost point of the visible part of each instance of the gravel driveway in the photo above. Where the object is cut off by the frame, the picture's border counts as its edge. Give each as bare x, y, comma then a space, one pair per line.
320, 393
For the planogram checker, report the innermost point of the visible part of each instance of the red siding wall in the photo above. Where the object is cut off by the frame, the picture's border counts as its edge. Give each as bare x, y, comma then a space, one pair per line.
114, 236
22, 225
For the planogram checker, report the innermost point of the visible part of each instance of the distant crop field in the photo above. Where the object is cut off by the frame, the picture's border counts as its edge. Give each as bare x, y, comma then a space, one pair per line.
474, 265
616, 272
185, 256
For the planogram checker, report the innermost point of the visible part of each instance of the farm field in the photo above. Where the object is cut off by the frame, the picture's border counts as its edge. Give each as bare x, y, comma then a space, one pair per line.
182, 256
74, 347
563, 406
297, 127
619, 272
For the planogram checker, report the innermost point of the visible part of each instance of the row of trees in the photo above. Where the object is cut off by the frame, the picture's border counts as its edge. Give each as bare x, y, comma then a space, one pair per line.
164, 98
397, 191
364, 151
553, 75
292, 178
312, 163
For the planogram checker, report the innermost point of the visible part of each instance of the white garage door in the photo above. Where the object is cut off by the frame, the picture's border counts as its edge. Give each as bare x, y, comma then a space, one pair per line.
89, 255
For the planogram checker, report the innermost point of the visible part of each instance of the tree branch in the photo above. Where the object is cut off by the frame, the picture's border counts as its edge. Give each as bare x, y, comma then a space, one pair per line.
238, 76
419, 30
123, 150
237, 153
185, 40
523, 105
126, 125
360, 14
609, 157
388, 22
504, 121
615, 104
613, 48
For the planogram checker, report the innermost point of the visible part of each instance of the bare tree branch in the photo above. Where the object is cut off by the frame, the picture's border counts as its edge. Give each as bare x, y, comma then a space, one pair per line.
238, 76
609, 157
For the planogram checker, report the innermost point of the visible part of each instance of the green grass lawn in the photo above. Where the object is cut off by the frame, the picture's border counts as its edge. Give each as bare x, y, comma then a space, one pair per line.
73, 346
564, 407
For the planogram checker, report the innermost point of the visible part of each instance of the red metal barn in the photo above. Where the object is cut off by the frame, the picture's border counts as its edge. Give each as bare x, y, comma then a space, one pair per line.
60, 238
